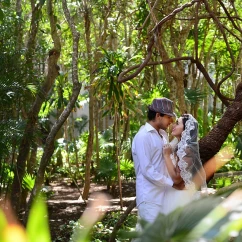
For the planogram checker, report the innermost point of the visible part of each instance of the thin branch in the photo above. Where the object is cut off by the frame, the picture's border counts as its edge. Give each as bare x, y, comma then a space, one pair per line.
155, 30
229, 16
151, 11
121, 77
171, 15
199, 65
217, 22
232, 33
205, 16
196, 30
121, 220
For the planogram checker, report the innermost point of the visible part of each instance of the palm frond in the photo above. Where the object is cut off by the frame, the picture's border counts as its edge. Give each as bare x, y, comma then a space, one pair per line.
194, 95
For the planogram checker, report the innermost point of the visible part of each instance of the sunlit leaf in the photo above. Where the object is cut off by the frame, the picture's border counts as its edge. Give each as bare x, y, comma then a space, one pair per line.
37, 226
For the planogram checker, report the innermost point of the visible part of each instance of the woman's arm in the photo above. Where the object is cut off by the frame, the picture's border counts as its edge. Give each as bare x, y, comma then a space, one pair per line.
173, 170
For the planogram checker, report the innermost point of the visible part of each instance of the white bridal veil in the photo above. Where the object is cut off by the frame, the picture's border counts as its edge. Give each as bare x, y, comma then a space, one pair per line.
189, 162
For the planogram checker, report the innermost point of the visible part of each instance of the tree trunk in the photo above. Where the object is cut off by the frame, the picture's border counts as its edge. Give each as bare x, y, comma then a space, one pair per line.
93, 66
212, 142
205, 108
117, 155
32, 160
30, 128
97, 129
89, 148
49, 146
32, 117
91, 106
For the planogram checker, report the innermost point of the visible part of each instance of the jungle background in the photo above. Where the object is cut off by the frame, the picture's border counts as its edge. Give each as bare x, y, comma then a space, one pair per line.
113, 57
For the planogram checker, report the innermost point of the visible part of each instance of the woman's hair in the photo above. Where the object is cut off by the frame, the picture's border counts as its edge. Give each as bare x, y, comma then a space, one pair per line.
185, 117
194, 131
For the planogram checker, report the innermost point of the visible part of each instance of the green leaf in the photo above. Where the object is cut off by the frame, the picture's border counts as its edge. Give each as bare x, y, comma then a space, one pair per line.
3, 224
1, 15
194, 96
6, 3
58, 26
42, 2
37, 226
28, 182
177, 225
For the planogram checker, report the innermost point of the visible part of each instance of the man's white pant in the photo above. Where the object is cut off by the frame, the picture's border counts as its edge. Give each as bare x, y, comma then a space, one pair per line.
147, 211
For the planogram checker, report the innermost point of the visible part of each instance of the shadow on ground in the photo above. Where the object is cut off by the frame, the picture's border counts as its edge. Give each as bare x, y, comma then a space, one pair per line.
66, 206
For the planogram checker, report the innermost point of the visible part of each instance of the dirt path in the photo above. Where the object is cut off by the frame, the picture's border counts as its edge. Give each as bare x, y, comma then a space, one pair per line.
66, 207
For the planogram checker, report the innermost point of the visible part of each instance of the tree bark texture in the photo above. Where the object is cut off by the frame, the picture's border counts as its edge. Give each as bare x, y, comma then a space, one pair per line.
30, 128
212, 142
49, 146
89, 150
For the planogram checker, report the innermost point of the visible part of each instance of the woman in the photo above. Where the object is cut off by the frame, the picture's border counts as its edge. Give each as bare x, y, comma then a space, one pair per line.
184, 164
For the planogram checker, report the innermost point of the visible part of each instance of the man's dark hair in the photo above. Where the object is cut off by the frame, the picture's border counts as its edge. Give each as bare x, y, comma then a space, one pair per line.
151, 114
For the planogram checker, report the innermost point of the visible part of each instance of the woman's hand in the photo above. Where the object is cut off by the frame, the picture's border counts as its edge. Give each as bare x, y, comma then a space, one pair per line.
179, 186
167, 150
173, 170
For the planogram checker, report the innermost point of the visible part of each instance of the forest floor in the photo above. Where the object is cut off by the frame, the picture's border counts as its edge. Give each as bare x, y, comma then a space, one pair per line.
66, 206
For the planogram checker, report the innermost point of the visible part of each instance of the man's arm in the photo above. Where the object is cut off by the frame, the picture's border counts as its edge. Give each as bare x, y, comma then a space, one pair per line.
143, 155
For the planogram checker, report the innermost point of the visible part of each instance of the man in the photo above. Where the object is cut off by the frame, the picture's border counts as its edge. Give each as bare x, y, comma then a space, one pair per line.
151, 175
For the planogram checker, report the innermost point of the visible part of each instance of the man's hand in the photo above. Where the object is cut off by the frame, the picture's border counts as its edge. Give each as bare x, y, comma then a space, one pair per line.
179, 186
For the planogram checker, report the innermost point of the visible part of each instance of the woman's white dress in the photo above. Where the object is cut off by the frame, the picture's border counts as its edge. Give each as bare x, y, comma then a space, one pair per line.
177, 198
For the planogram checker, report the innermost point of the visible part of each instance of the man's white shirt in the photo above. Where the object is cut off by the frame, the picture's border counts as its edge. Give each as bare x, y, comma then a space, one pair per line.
150, 168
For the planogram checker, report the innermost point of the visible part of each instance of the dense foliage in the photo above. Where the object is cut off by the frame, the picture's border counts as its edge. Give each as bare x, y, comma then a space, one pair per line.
76, 78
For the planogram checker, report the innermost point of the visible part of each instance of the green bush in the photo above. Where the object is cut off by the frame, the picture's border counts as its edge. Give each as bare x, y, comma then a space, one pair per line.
127, 169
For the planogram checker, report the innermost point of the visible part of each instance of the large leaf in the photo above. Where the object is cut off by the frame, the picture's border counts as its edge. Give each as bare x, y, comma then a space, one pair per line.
37, 226
176, 225
3, 224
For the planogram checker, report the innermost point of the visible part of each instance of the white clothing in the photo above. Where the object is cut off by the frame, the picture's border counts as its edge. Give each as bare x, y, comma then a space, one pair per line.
150, 169
176, 198
149, 211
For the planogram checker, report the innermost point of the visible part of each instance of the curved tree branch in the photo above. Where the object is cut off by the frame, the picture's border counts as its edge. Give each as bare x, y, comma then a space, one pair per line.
155, 31
171, 15
140, 67
199, 66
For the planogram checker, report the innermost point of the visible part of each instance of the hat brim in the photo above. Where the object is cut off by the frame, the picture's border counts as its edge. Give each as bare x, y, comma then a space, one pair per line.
158, 111
170, 114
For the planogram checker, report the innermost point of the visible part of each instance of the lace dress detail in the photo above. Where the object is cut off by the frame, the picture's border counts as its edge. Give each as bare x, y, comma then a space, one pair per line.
181, 153
188, 155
